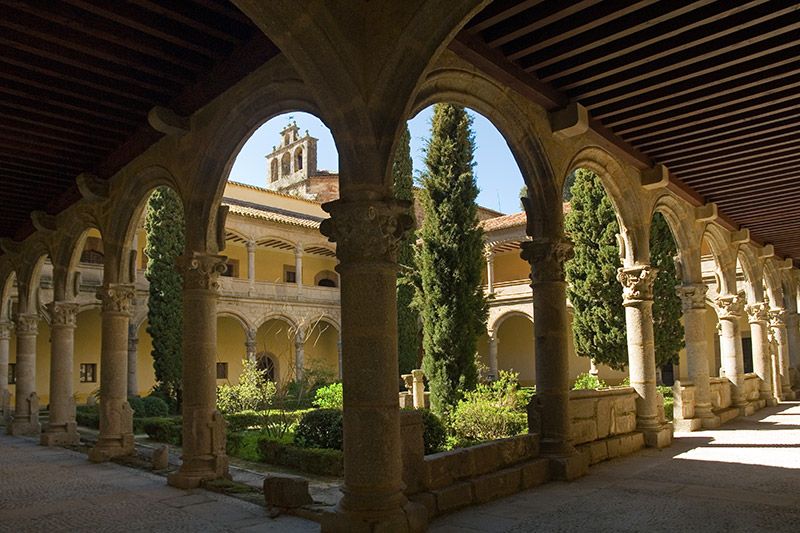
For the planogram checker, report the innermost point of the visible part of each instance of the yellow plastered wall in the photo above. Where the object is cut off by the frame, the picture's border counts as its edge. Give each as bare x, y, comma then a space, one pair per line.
515, 349
141, 240
269, 264
43, 363
230, 348
276, 337
322, 351
281, 201
238, 252
145, 373
314, 264
510, 267
86, 350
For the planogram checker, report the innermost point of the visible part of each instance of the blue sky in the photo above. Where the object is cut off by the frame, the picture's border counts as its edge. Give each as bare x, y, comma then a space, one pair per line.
497, 173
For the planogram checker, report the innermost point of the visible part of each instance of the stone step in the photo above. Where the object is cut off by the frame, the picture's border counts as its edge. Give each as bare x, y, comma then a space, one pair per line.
727, 414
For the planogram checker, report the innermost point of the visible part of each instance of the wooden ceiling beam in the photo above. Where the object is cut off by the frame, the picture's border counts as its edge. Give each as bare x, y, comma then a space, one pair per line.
547, 14
191, 17
499, 11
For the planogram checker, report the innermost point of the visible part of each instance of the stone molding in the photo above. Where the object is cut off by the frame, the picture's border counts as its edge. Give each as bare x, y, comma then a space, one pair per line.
729, 306
63, 314
777, 318
547, 258
117, 298
637, 283
201, 271
26, 325
367, 230
692, 296
757, 313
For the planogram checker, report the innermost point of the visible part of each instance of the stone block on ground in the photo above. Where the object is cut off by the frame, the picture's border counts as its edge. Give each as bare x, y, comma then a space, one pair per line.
160, 458
485, 457
535, 473
453, 497
570, 467
497, 484
286, 491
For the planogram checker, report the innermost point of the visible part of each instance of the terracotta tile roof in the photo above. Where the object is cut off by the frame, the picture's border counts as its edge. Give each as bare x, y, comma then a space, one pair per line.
272, 214
512, 220
270, 191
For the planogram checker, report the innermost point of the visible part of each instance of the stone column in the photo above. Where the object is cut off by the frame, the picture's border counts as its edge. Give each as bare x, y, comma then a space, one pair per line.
339, 351
729, 310
251, 263
298, 268
133, 357
418, 389
116, 415
493, 342
637, 297
777, 321
551, 327
367, 232
5, 395
793, 330
758, 316
488, 253
26, 401
693, 300
203, 426
777, 388
250, 344
61, 428
299, 356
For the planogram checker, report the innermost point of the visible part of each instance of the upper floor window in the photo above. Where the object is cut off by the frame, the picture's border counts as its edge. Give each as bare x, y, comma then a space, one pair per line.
289, 274
231, 268
92, 251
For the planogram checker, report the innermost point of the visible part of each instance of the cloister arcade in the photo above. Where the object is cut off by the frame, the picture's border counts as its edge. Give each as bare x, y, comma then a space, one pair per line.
364, 68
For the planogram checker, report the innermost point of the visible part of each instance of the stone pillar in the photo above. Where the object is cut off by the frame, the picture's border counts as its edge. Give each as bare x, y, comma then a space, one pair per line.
418, 389
637, 297
488, 253
729, 310
203, 426
251, 263
693, 301
339, 351
493, 342
551, 327
26, 401
61, 428
5, 395
298, 268
758, 316
367, 232
777, 388
777, 321
299, 356
250, 344
116, 415
133, 357
793, 330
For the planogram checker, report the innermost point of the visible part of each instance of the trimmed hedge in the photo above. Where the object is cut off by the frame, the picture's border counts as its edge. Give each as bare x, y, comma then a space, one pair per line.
164, 429
434, 434
87, 416
320, 461
320, 429
259, 419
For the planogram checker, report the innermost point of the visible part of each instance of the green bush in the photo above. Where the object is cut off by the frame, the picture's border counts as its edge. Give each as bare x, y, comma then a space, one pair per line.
164, 429
137, 404
478, 419
665, 390
245, 420
87, 416
588, 381
253, 392
320, 461
154, 406
329, 396
434, 433
321, 428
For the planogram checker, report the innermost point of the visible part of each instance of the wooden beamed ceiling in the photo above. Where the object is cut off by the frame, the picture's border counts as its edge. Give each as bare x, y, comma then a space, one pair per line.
709, 88
78, 77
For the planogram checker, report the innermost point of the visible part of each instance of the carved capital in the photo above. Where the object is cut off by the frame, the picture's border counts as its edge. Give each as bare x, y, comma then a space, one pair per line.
488, 253
730, 306
777, 318
547, 258
117, 298
5, 331
63, 314
758, 312
692, 296
367, 230
26, 325
637, 283
201, 271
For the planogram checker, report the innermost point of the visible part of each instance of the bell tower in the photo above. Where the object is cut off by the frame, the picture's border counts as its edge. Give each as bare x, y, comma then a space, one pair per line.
293, 161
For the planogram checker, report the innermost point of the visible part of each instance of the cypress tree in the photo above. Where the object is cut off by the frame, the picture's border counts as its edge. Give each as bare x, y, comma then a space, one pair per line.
407, 316
667, 310
598, 322
451, 301
164, 224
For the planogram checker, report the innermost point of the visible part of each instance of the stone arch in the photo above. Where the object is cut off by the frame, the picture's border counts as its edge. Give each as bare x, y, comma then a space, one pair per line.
276, 316
788, 289
772, 283
326, 278
286, 164
505, 316
680, 219
753, 274
8, 277
724, 257
273, 170
237, 317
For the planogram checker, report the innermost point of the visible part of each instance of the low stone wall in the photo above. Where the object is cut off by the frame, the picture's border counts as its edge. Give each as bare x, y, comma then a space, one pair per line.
751, 385
720, 391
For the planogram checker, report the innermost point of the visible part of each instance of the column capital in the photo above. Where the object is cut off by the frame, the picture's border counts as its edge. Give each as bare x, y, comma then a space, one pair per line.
729, 306
367, 230
251, 246
5, 330
26, 324
201, 271
637, 283
777, 317
488, 252
298, 249
117, 298
757, 312
547, 258
63, 314
693, 296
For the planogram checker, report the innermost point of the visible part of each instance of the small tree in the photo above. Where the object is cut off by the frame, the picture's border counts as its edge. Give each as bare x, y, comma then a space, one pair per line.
450, 298
407, 315
164, 225
667, 310
598, 323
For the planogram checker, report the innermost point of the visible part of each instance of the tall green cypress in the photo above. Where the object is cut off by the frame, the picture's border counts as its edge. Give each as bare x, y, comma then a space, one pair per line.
407, 316
164, 224
450, 298
598, 322
667, 310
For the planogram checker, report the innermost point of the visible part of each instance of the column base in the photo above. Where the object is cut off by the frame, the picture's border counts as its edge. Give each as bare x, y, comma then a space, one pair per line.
746, 410
411, 518
788, 394
24, 427
61, 435
686, 425
193, 474
567, 468
657, 437
108, 448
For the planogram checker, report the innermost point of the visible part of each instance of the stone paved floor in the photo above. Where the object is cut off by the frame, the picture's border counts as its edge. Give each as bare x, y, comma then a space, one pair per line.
54, 490
744, 477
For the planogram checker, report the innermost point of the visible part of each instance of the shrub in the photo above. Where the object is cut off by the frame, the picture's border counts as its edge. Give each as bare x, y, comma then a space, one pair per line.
253, 392
434, 433
154, 406
479, 419
320, 429
312, 460
245, 420
665, 390
137, 404
87, 416
588, 381
329, 396
164, 429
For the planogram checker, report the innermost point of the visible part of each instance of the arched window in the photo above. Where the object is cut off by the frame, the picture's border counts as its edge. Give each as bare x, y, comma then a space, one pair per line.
286, 165
273, 170
92, 251
266, 364
326, 278
298, 159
